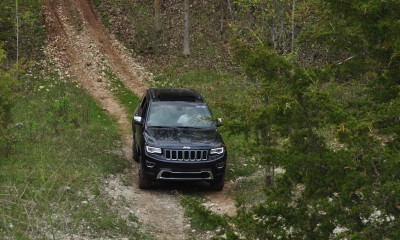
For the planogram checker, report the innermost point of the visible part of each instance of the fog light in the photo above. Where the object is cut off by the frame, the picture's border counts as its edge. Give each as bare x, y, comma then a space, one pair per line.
150, 164
220, 165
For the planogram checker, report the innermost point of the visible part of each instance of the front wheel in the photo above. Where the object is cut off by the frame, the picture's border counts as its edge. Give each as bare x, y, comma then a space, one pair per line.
218, 183
135, 153
144, 182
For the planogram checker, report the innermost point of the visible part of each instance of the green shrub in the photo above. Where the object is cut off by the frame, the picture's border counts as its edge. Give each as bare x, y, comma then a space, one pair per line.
7, 94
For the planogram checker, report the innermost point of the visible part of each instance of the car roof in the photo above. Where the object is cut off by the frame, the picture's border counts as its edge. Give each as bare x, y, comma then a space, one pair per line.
175, 94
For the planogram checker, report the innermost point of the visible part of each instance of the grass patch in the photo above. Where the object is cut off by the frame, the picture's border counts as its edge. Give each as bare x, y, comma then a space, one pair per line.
105, 18
123, 94
250, 191
51, 184
201, 218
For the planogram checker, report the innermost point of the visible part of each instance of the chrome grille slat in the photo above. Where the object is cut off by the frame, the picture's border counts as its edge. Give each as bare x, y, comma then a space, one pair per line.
186, 155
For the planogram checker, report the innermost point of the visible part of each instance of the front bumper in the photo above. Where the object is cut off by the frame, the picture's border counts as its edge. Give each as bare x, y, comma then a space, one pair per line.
156, 167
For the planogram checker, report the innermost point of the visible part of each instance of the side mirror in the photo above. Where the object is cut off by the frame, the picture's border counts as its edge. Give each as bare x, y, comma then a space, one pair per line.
137, 119
220, 122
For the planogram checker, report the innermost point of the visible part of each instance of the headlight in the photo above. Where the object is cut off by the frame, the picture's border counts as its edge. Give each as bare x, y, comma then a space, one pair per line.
217, 150
153, 149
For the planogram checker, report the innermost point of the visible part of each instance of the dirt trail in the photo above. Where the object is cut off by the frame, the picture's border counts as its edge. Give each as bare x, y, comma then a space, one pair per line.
81, 47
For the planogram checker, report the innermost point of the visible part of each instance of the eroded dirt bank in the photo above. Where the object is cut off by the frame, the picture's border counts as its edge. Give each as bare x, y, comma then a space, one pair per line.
82, 48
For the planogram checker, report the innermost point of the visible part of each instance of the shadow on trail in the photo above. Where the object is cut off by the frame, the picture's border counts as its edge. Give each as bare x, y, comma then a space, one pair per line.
183, 187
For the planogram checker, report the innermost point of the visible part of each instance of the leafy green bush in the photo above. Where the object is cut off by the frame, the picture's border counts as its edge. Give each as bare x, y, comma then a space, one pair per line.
339, 152
7, 94
31, 28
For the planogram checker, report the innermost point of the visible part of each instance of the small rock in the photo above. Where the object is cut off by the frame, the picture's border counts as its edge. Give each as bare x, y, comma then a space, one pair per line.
66, 189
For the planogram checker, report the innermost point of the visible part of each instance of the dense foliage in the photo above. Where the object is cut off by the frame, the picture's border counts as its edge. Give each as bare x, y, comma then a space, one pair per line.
30, 39
332, 126
7, 94
30, 28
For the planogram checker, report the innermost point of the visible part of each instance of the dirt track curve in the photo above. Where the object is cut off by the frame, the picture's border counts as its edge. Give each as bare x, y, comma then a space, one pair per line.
82, 47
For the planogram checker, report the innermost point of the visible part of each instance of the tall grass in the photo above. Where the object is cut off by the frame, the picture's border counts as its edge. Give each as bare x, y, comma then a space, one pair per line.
52, 185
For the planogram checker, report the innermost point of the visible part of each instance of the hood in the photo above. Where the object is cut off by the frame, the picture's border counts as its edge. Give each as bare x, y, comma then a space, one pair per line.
183, 136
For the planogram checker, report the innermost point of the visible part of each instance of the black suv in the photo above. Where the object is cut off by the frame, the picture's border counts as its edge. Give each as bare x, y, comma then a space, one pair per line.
176, 138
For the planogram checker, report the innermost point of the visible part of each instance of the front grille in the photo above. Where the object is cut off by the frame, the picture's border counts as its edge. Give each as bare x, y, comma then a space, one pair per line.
186, 155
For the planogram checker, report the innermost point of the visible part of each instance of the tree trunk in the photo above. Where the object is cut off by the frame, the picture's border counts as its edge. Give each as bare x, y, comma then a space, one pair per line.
17, 33
263, 7
293, 13
230, 9
186, 37
221, 29
157, 17
269, 175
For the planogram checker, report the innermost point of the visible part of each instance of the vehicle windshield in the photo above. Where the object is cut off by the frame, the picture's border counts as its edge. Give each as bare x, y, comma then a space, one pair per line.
179, 114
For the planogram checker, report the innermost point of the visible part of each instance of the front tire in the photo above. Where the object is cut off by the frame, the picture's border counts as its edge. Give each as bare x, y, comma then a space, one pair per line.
135, 154
218, 183
144, 182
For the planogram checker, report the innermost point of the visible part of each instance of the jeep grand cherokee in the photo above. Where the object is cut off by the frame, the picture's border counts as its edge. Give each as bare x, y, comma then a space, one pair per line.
176, 138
